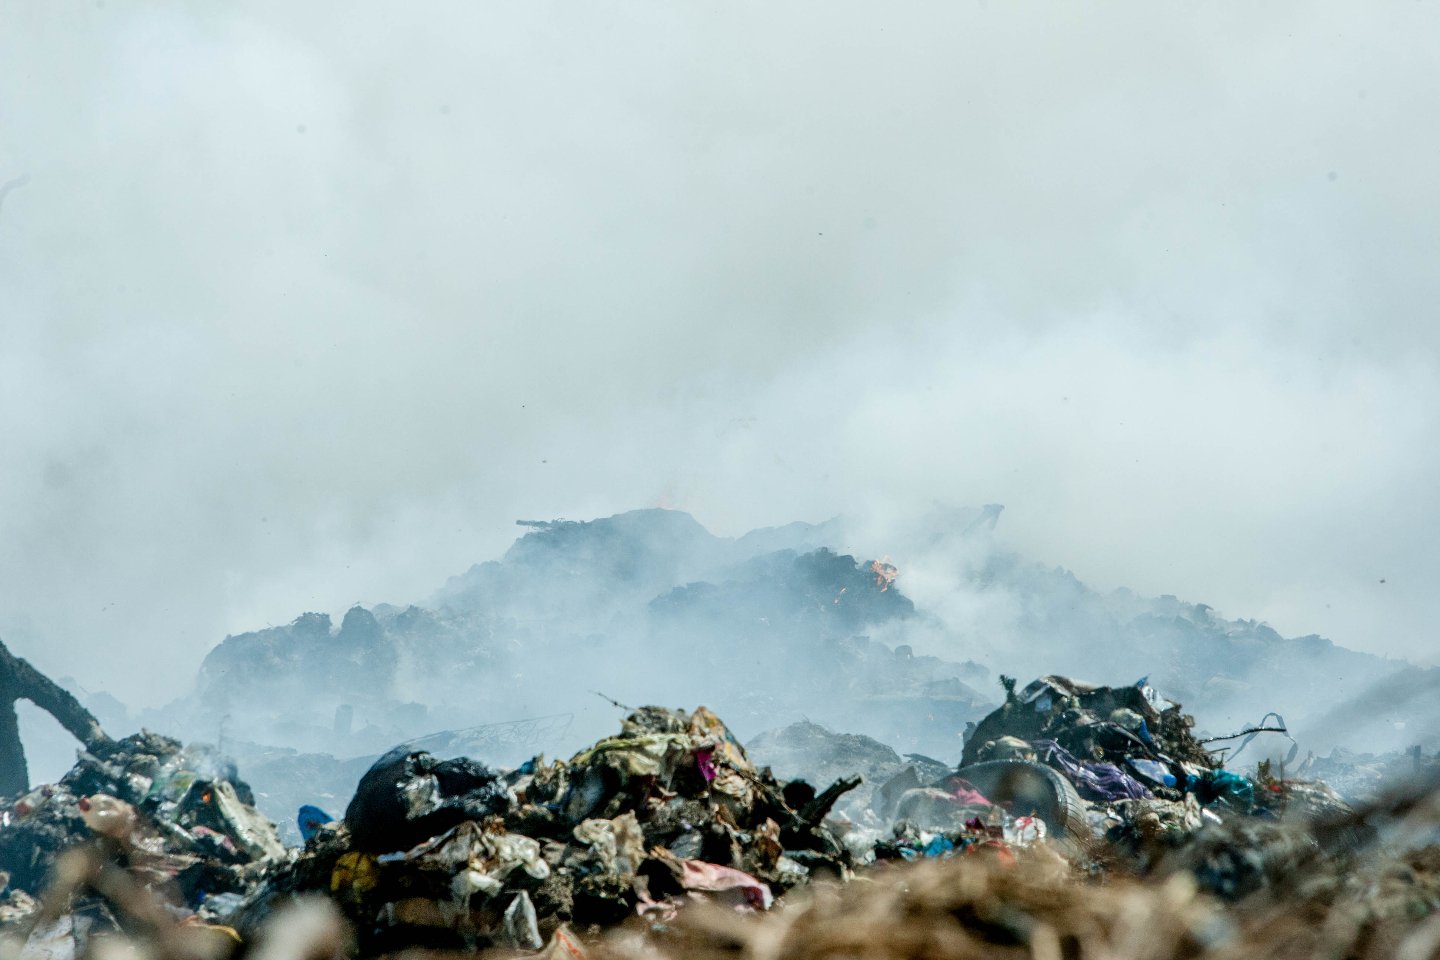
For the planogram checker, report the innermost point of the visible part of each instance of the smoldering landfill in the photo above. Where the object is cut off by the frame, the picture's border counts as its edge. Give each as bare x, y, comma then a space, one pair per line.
1082, 821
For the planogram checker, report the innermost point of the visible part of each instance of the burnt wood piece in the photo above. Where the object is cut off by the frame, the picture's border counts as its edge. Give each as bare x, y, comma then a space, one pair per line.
20, 681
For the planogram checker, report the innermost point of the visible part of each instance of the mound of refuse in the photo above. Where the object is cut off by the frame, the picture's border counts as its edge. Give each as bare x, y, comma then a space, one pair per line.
178, 821
1084, 820
452, 854
1117, 778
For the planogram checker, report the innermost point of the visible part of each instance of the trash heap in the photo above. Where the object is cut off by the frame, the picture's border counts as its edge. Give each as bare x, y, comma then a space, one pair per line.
449, 854
1064, 784
178, 820
1148, 784
1097, 731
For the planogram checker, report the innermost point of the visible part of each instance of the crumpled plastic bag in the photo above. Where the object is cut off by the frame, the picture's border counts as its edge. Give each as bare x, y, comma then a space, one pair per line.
476, 860
614, 846
407, 796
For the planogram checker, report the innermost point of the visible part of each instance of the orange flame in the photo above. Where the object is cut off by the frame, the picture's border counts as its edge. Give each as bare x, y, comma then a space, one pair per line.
885, 573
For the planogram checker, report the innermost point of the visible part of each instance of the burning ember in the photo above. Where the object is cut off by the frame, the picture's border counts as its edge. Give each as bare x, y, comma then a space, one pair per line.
885, 573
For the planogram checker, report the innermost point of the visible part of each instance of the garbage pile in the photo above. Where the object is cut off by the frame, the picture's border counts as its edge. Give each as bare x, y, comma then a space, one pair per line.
1127, 751
179, 821
450, 854
1069, 783
1117, 778
1112, 778
646, 833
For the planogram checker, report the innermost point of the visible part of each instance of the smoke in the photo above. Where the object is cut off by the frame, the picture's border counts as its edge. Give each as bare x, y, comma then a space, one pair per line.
303, 308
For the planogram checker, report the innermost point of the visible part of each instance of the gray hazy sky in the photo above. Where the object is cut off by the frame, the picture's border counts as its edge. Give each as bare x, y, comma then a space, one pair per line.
303, 307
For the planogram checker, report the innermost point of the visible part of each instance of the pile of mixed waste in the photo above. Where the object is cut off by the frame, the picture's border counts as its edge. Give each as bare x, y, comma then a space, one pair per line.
1116, 777
632, 846
435, 853
177, 821
449, 853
